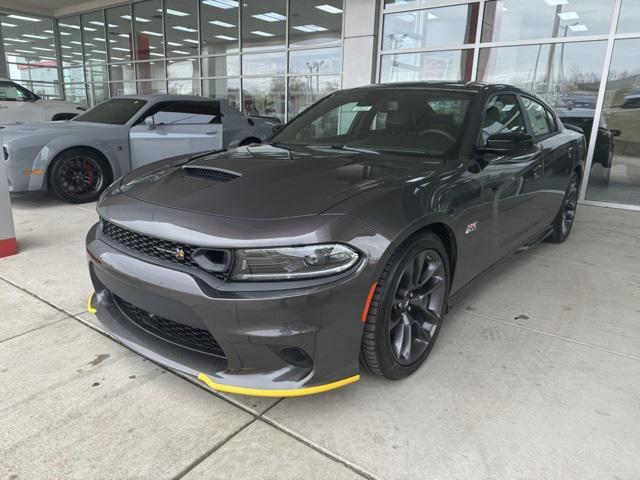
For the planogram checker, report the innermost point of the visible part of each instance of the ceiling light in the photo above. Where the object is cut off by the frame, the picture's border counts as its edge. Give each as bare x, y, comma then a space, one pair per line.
124, 35
24, 51
568, 16
553, 3
184, 29
174, 44
225, 37
28, 19
270, 17
156, 54
100, 39
64, 33
310, 28
19, 40
262, 34
222, 24
177, 13
39, 37
76, 53
138, 19
98, 51
9, 24
180, 52
120, 49
329, 9
76, 27
578, 28
116, 58
43, 49
65, 46
153, 34
224, 4
190, 40
110, 25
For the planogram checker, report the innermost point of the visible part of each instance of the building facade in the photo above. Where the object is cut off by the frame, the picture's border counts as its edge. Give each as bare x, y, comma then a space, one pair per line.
276, 57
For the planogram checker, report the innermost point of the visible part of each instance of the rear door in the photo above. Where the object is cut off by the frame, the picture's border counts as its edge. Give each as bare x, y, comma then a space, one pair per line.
17, 104
557, 154
511, 183
176, 128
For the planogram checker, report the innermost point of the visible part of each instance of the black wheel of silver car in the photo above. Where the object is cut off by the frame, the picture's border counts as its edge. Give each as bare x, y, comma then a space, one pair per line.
564, 220
78, 175
407, 308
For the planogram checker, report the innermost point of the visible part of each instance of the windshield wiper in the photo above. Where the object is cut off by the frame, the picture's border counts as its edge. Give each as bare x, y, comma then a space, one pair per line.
350, 148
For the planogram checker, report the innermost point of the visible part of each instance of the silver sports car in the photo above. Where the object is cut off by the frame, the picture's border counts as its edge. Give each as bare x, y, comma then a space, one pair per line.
77, 159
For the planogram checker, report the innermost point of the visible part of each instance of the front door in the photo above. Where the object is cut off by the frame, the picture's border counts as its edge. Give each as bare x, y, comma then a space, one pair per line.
511, 184
18, 104
176, 128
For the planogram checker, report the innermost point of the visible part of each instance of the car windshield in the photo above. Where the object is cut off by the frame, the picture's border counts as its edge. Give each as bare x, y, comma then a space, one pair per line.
116, 111
427, 121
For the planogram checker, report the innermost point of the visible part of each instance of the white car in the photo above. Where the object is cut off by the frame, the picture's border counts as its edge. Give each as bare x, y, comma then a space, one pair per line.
17, 104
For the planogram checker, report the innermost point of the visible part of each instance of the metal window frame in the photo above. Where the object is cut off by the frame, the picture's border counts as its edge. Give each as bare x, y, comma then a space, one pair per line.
611, 37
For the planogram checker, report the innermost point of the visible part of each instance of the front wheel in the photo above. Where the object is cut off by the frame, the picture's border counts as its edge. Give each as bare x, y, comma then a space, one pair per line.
564, 219
78, 175
407, 308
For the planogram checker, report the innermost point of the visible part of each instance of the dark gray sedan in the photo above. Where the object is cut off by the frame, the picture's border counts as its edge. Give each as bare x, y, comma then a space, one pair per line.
77, 159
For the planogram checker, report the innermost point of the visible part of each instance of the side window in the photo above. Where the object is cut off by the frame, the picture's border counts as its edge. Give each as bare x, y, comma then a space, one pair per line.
11, 93
541, 120
186, 113
502, 114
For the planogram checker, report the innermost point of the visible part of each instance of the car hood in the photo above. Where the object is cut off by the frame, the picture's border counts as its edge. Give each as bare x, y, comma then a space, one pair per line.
267, 182
49, 129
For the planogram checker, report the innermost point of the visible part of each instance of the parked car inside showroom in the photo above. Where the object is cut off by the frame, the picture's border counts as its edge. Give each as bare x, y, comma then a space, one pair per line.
77, 159
18, 104
281, 269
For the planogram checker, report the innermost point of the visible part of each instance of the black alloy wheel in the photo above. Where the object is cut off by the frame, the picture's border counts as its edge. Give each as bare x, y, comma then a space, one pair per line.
564, 220
408, 307
78, 176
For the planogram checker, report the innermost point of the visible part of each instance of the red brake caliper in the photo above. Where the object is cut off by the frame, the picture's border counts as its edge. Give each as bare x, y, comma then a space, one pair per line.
89, 172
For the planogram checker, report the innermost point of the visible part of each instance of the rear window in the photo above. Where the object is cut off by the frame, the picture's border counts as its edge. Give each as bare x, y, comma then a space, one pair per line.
117, 111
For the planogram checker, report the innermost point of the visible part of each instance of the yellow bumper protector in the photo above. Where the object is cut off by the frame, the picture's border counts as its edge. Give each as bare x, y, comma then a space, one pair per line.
90, 307
296, 392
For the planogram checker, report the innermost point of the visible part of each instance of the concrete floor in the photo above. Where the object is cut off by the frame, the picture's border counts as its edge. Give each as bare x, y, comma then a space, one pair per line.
536, 375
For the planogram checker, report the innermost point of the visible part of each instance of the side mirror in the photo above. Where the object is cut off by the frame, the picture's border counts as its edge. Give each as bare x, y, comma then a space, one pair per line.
277, 127
508, 143
615, 132
150, 123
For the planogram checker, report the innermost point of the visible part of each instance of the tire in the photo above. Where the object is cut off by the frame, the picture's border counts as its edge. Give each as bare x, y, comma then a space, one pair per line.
395, 314
563, 222
78, 175
249, 141
64, 116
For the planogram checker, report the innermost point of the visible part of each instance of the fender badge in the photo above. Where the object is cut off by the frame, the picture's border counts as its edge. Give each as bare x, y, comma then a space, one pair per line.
472, 227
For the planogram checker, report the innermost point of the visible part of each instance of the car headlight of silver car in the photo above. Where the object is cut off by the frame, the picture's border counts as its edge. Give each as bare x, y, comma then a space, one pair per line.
291, 263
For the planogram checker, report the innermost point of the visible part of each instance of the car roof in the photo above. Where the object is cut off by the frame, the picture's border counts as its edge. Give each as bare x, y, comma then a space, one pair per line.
161, 97
473, 87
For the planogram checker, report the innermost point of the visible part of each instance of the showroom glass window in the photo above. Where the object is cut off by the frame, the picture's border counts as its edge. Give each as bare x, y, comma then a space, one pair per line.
509, 20
263, 24
315, 23
30, 53
147, 26
181, 23
619, 181
219, 27
119, 40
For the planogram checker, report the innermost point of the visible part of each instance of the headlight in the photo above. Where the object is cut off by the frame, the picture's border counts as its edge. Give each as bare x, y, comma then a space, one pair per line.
289, 263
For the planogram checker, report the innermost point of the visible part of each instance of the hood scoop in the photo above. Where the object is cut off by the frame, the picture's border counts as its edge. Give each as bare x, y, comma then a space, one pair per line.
210, 173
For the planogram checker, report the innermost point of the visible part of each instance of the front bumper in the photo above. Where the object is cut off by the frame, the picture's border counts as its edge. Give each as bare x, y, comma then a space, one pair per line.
275, 342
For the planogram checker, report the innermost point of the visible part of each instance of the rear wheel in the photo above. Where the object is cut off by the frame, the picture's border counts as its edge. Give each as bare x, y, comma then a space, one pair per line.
407, 308
564, 220
78, 175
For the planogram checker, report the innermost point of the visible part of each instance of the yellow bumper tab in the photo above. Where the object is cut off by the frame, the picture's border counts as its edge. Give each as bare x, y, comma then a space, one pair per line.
90, 308
258, 392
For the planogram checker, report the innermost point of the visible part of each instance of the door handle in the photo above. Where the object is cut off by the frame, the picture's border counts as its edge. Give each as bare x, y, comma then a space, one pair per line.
211, 133
538, 170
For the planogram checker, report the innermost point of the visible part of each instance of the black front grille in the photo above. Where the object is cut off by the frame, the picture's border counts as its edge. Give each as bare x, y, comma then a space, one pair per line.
210, 173
174, 332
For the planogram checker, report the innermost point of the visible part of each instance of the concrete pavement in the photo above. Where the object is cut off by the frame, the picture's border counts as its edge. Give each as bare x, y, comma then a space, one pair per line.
536, 375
